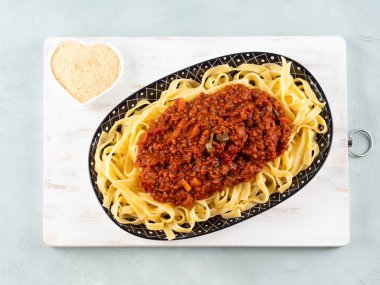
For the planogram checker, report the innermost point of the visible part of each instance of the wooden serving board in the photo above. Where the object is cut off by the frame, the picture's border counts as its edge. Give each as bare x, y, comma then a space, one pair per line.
316, 216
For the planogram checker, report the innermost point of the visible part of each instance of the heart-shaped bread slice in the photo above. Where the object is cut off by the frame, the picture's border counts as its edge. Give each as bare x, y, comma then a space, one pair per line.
85, 71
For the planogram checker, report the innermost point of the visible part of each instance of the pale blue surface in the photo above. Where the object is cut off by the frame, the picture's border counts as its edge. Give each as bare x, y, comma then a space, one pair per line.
24, 259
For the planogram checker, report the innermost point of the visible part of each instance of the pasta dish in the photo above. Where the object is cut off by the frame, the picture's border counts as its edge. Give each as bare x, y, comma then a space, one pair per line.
215, 147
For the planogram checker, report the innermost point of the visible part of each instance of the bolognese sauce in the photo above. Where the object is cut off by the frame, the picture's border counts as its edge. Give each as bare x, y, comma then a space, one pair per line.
215, 141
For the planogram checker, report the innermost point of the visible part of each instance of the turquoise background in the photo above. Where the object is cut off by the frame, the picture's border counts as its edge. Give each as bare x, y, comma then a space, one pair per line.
24, 259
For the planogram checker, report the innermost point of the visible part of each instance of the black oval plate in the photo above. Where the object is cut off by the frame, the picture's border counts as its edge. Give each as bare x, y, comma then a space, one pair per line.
153, 91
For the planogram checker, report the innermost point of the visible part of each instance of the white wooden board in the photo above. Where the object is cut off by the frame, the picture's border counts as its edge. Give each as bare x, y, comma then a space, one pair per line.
316, 216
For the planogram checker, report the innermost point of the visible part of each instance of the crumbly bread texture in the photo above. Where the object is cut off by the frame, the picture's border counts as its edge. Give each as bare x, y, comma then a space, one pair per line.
85, 71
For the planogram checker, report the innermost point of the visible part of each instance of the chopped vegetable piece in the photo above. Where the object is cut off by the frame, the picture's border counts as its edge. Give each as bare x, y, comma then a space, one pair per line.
222, 138
185, 185
209, 144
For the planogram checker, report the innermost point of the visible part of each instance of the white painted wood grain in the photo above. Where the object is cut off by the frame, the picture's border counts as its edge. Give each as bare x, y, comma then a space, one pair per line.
316, 216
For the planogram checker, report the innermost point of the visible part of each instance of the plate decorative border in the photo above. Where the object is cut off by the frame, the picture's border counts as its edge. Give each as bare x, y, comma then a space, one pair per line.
153, 91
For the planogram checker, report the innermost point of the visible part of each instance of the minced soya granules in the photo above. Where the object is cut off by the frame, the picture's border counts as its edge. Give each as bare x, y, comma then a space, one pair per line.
85, 71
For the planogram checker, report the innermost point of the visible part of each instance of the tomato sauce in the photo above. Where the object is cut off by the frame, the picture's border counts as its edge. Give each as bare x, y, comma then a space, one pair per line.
214, 141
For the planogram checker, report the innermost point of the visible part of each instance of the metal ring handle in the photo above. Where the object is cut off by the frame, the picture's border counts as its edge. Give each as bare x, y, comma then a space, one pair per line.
367, 135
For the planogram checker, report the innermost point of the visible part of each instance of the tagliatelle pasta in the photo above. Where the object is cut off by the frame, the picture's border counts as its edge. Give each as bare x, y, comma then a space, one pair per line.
117, 150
